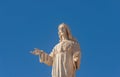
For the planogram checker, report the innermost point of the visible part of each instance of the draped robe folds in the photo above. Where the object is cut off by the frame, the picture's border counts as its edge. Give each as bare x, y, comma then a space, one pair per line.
64, 59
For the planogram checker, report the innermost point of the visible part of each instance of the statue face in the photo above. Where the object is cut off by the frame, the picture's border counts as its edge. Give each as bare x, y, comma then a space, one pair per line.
62, 31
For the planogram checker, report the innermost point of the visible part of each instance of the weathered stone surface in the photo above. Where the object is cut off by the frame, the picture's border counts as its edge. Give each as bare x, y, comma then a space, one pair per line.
65, 56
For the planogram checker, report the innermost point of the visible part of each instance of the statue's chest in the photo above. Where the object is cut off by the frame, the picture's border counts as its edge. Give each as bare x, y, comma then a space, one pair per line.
65, 46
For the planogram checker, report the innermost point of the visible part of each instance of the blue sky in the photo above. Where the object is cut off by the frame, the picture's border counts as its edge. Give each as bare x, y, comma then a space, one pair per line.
28, 24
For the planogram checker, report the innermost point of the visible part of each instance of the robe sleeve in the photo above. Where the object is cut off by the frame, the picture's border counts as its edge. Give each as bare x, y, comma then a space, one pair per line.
76, 55
52, 54
45, 58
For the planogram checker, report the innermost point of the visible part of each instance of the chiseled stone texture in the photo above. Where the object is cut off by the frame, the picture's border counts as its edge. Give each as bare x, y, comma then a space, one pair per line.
65, 56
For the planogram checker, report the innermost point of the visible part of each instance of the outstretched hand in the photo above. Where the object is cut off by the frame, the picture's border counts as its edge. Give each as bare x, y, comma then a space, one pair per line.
36, 51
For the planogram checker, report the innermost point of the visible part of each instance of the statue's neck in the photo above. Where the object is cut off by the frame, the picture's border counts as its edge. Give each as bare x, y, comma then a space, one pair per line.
64, 38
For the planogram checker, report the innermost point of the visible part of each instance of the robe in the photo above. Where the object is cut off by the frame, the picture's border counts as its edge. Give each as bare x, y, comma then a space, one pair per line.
64, 58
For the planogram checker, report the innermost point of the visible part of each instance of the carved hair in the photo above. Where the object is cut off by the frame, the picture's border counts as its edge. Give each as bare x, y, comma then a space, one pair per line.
69, 35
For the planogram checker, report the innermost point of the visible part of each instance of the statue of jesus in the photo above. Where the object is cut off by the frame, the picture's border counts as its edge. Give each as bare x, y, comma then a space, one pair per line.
65, 56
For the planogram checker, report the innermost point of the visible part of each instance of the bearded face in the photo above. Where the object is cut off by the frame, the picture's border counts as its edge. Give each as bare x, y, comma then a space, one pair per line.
62, 32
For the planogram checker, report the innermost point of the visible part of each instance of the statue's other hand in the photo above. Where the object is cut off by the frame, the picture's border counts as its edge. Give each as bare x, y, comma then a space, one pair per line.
76, 56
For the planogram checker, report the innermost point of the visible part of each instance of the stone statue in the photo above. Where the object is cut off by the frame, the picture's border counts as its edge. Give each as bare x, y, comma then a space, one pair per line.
65, 56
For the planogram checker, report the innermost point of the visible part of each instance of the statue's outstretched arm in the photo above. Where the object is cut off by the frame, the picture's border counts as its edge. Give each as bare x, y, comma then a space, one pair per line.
43, 57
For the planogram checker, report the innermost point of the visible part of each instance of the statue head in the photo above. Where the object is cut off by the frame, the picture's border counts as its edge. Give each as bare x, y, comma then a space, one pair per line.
64, 32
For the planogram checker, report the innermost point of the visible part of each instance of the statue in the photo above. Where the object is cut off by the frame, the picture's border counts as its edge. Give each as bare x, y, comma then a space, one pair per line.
65, 56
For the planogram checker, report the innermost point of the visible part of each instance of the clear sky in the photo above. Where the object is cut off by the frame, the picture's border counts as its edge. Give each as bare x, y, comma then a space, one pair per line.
28, 24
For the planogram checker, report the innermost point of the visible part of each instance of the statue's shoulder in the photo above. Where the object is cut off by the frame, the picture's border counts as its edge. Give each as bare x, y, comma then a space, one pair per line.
76, 46
56, 46
73, 42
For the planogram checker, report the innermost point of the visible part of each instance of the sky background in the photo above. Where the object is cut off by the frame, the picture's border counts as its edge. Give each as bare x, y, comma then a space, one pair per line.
29, 24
